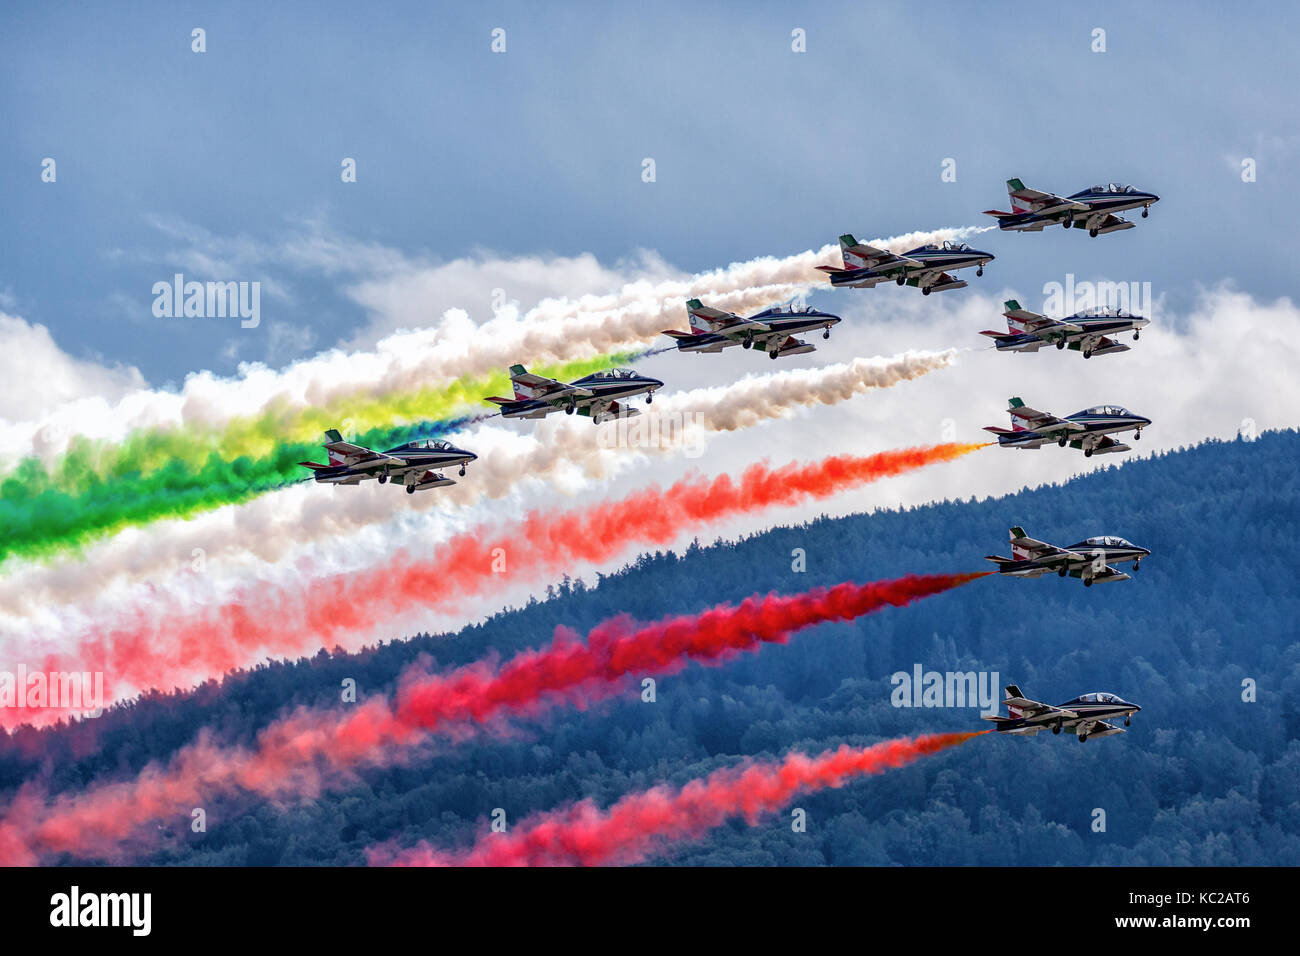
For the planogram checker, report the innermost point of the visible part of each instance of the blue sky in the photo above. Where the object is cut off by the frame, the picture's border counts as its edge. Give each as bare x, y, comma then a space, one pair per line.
759, 150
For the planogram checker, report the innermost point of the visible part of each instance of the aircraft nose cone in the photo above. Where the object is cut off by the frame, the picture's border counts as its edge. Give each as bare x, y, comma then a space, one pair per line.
471, 456
1136, 708
655, 382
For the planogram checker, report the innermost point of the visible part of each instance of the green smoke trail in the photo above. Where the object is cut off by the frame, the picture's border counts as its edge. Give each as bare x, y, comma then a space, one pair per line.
98, 489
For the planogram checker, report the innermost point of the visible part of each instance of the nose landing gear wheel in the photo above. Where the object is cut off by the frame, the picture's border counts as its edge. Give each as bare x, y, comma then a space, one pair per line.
826, 334
1128, 721
1146, 211
462, 471
979, 271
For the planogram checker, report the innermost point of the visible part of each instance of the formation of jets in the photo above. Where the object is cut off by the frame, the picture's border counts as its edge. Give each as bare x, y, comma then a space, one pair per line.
411, 464
595, 395
1092, 209
1090, 559
1089, 429
926, 267
1086, 332
1085, 716
772, 330
605, 395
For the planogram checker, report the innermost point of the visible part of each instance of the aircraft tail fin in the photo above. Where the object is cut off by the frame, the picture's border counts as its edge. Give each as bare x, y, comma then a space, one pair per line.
1018, 205
699, 324
523, 383
850, 259
1012, 692
336, 455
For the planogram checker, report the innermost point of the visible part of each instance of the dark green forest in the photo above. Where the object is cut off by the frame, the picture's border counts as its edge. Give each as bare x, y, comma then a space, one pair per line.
1202, 777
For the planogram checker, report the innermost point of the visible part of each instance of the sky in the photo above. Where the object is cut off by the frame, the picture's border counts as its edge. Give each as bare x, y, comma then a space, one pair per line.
520, 175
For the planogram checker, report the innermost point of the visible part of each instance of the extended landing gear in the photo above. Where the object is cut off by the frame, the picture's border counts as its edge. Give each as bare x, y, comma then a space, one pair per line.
650, 397
1087, 582
925, 291
1146, 211
1137, 564
979, 271
383, 478
1093, 233
1136, 336
1056, 727
1087, 453
462, 471
1083, 738
1137, 435
1068, 224
1087, 353
901, 280
827, 333
1062, 440
1060, 343
772, 356
569, 409
410, 489
748, 342
1061, 572
1128, 721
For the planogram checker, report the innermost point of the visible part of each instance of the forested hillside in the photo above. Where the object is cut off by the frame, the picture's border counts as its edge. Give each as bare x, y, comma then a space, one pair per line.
1202, 776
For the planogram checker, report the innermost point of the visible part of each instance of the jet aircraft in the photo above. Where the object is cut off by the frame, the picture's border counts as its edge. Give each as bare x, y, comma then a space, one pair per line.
1085, 716
1086, 332
1089, 429
772, 330
1089, 559
1092, 209
865, 266
594, 395
411, 464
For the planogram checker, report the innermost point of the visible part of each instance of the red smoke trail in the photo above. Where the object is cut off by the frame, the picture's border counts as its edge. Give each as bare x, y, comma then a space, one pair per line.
311, 749
642, 824
176, 648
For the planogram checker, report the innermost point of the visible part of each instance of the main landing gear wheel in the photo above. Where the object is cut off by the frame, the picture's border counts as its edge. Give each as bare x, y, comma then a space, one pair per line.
1061, 572
901, 280
1087, 582
925, 291
1087, 353
382, 479
569, 409
1056, 727
1062, 441
1087, 453
747, 343
1083, 738
1093, 233
410, 489
1060, 343
772, 356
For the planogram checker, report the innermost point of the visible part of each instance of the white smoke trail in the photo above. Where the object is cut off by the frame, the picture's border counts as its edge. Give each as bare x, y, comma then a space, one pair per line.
556, 330
175, 562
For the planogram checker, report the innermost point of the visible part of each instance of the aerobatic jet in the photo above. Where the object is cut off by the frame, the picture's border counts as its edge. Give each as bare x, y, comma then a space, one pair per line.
411, 464
1086, 332
1092, 209
1085, 716
1089, 559
594, 395
926, 267
1089, 429
772, 330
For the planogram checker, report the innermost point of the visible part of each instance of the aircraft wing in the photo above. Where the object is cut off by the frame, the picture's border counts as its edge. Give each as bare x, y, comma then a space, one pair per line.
1101, 346
742, 328
1044, 204
548, 389
1040, 552
1103, 729
1103, 445
1043, 423
1103, 223
1037, 710
1106, 574
359, 456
